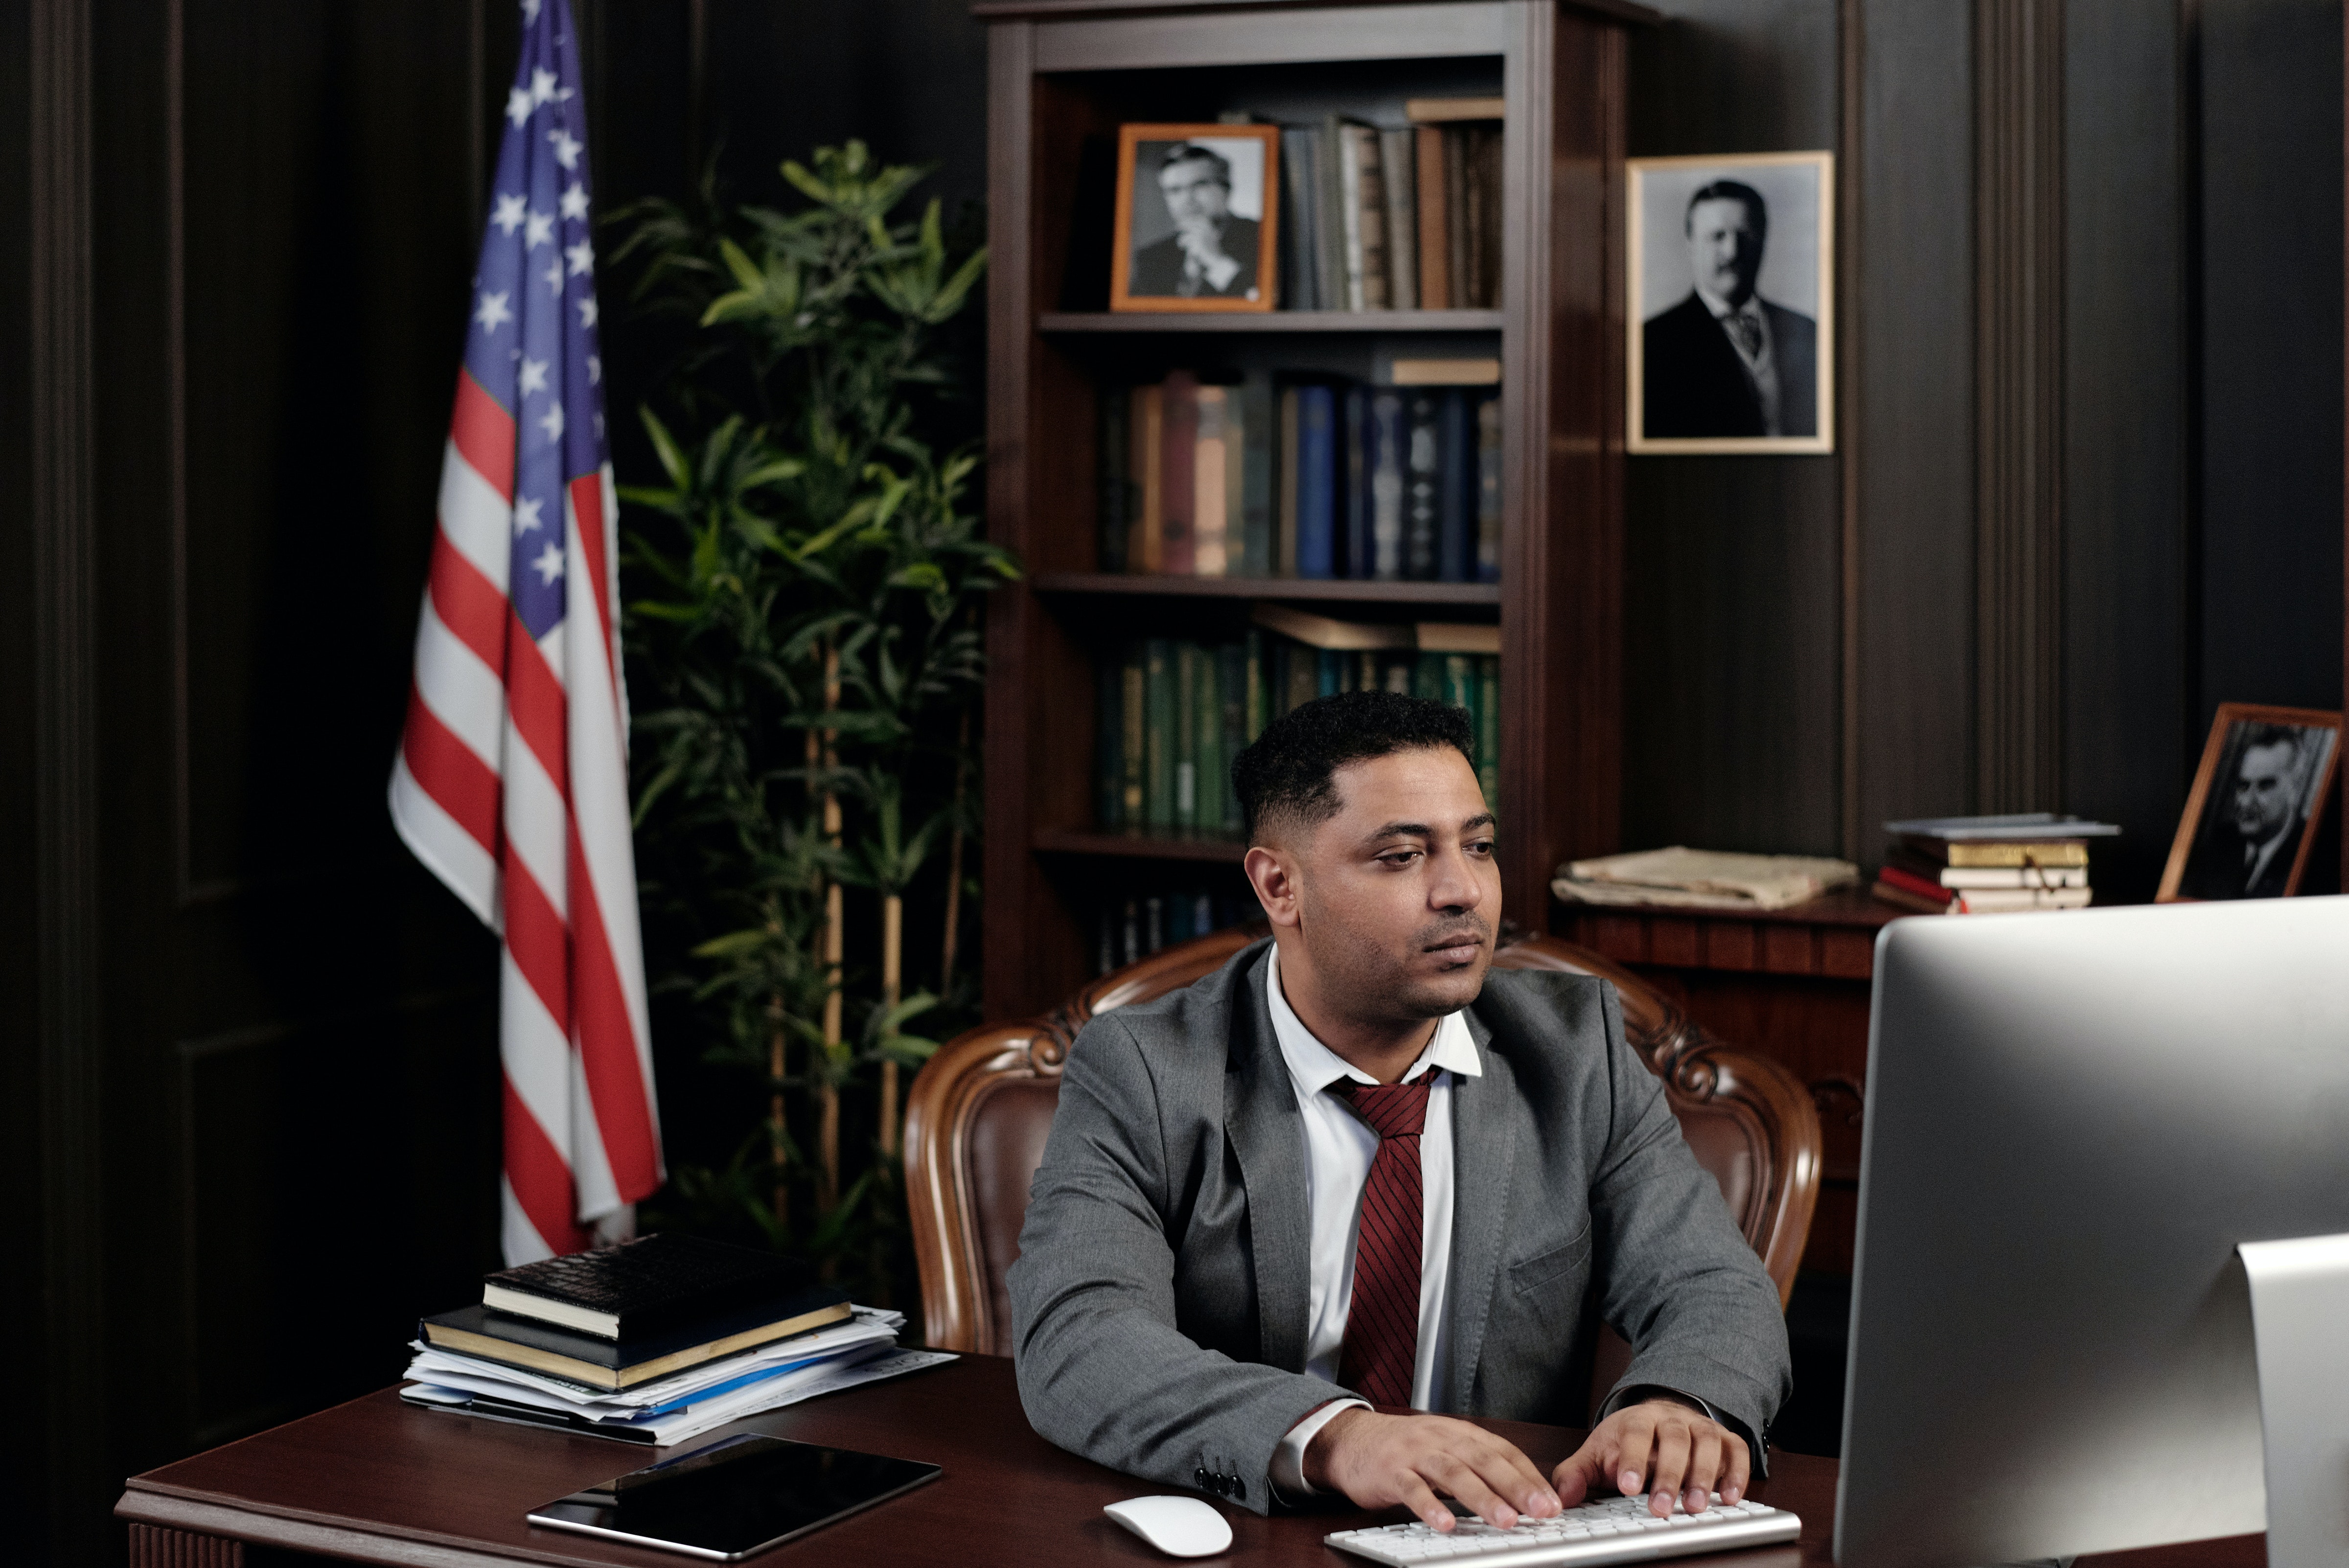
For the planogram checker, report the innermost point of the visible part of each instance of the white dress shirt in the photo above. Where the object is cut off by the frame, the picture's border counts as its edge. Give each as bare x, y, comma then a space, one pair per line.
1338, 1148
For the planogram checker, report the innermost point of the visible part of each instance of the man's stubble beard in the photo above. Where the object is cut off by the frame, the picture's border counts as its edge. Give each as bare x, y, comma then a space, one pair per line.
1371, 981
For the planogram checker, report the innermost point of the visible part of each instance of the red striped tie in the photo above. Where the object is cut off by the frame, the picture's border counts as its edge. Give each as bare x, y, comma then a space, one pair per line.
1381, 1341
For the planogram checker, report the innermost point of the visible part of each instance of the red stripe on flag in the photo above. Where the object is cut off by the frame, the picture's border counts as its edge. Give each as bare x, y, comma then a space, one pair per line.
539, 942
540, 1179
607, 1044
484, 433
468, 603
536, 703
460, 782
587, 506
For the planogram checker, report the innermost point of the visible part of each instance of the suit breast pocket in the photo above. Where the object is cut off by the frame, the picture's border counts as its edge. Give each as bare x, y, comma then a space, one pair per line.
1549, 1280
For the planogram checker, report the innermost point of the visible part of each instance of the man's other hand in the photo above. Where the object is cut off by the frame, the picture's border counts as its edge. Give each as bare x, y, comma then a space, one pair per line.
1381, 1461
1662, 1448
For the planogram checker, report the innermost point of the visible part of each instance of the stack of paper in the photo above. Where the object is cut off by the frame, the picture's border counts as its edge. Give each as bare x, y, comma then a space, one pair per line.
670, 1409
1683, 878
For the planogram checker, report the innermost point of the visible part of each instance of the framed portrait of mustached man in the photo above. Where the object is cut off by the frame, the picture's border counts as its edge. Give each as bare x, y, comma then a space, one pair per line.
1197, 217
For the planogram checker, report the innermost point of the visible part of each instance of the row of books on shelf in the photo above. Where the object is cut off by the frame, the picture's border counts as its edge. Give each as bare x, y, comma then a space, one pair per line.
1127, 930
1254, 475
652, 1341
1989, 864
1173, 715
1394, 217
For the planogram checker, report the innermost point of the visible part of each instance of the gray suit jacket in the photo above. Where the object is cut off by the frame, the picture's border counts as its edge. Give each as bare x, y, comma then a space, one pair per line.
1159, 1301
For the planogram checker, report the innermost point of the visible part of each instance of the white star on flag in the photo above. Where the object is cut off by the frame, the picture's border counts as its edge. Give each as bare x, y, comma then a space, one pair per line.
542, 83
538, 230
587, 311
595, 364
518, 107
566, 147
552, 421
526, 514
529, 11
574, 201
493, 312
549, 565
553, 276
508, 215
534, 375
583, 257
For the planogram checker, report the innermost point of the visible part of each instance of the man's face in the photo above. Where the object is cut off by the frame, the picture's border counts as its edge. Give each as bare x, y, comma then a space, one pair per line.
1196, 196
1724, 248
2263, 791
1399, 893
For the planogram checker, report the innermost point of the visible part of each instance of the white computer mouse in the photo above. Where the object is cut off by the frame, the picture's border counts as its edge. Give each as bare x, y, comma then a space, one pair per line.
1178, 1526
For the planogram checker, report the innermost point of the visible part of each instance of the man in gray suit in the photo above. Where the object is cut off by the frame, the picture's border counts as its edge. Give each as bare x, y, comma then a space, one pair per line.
1349, 1164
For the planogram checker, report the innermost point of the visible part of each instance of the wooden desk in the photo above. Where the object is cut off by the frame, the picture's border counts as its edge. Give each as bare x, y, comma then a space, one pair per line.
375, 1481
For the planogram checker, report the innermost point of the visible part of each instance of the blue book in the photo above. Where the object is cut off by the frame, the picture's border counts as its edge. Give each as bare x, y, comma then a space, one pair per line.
1316, 483
1360, 562
1333, 672
1456, 481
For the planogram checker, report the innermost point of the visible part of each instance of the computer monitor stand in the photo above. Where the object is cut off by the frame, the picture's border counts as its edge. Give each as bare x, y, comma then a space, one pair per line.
2299, 1319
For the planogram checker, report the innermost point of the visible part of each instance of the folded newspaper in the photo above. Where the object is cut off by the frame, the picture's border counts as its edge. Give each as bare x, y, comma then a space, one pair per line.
1681, 878
671, 1409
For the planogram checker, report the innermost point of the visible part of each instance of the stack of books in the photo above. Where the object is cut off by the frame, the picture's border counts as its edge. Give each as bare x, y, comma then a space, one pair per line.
652, 1341
1989, 864
1394, 217
1173, 715
1255, 474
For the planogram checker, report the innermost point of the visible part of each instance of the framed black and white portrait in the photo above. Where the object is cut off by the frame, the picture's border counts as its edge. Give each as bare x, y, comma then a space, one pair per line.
2250, 819
1197, 215
1732, 309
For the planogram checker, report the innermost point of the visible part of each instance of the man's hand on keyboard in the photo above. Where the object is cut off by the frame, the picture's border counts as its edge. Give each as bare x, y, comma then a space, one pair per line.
1381, 1461
1660, 1446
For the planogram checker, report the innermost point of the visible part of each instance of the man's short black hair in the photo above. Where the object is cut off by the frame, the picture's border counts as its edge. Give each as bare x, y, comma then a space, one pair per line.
1287, 773
1730, 191
1192, 152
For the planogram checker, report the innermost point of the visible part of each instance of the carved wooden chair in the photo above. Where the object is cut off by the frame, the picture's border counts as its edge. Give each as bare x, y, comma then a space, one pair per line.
981, 1110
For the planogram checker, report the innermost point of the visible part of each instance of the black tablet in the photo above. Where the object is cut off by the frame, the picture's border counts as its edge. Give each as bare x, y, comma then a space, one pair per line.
733, 1498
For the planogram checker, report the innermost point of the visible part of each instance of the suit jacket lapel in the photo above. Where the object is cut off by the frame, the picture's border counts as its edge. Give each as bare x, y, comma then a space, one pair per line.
1268, 1137
1484, 1151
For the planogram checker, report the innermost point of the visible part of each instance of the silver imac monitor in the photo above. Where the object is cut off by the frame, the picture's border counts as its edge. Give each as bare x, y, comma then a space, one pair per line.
2071, 1119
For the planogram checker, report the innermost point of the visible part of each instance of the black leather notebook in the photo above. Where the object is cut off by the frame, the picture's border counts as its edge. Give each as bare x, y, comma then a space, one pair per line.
648, 1286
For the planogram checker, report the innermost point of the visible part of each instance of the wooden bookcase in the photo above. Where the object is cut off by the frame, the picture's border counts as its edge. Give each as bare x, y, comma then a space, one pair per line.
1062, 70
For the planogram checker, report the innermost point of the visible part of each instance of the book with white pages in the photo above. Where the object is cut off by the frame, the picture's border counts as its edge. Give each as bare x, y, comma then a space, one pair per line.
867, 1328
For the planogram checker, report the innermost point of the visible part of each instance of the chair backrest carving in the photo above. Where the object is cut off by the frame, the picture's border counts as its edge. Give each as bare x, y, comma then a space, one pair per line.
977, 1117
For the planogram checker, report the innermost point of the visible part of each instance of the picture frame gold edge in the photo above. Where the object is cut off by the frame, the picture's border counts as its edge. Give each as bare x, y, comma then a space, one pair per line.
1129, 137
2223, 719
1636, 443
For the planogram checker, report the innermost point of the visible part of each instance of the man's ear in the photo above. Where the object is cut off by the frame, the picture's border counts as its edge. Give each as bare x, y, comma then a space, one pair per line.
1275, 881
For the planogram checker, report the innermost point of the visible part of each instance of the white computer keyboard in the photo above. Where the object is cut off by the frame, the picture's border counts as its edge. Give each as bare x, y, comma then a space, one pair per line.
1615, 1529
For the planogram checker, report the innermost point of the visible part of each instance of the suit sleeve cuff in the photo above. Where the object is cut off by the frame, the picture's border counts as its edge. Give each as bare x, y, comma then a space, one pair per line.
1288, 1482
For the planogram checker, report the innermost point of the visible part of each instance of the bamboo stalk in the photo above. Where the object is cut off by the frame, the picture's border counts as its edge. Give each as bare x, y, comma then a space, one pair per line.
954, 859
835, 942
893, 942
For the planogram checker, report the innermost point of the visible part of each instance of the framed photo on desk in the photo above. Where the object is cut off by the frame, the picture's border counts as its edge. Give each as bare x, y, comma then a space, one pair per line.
1198, 218
2250, 819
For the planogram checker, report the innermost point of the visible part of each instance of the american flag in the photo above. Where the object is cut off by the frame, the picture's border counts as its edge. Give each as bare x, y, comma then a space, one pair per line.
511, 780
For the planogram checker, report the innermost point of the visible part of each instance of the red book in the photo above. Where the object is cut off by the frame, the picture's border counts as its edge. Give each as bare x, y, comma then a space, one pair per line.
1910, 882
1178, 473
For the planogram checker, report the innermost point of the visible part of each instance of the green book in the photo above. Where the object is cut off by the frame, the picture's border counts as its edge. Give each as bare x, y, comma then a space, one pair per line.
1133, 731
1208, 720
1331, 669
1304, 676
1259, 685
1185, 717
1109, 746
1232, 685
1488, 728
1460, 682
1158, 737
1253, 515
1427, 677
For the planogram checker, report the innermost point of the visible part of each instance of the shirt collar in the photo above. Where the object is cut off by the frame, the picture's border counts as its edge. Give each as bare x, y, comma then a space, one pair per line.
1315, 1066
1721, 309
